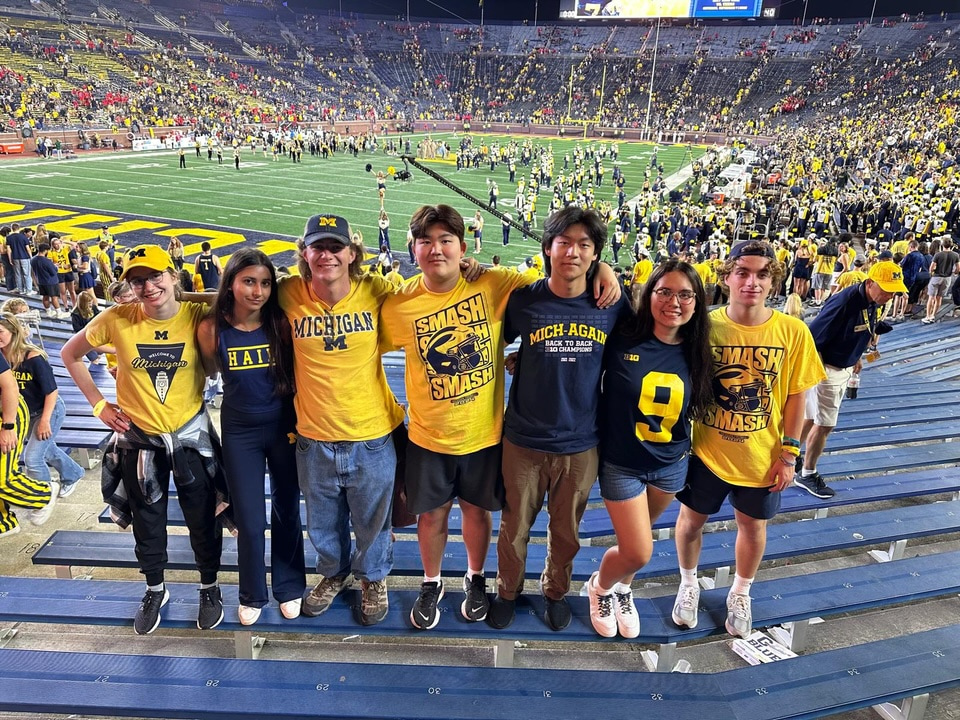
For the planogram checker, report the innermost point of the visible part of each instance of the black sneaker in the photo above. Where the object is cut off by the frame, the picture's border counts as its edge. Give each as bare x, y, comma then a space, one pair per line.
425, 615
475, 606
211, 608
557, 613
814, 485
148, 614
501, 613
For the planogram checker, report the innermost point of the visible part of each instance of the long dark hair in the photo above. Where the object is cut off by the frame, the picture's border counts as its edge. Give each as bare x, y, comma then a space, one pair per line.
695, 334
274, 320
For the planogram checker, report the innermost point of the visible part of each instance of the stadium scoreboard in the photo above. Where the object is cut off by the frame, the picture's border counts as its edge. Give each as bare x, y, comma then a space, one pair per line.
645, 9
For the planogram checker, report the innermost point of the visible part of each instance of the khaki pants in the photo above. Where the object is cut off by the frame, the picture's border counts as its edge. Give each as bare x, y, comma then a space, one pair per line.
528, 476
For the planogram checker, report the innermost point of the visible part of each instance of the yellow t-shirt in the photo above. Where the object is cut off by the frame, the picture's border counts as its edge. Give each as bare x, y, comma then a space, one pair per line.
642, 271
755, 369
159, 374
851, 277
708, 275
394, 278
61, 258
342, 391
900, 246
454, 349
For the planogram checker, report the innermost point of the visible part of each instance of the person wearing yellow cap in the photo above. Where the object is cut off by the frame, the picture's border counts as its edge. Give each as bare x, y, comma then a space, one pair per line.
842, 331
160, 426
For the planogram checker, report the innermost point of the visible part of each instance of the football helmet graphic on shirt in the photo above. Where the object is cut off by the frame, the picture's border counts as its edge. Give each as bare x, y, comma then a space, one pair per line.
739, 390
451, 351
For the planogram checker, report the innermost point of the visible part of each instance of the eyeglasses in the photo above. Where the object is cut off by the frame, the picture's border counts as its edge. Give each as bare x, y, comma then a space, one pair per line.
153, 278
684, 296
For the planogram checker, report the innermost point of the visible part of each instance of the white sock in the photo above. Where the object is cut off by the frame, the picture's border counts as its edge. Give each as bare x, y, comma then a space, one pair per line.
207, 586
808, 473
596, 586
471, 573
435, 578
155, 588
688, 577
622, 588
741, 585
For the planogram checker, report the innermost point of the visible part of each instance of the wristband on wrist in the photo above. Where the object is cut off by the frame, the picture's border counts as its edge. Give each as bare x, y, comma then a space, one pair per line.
792, 442
795, 451
789, 461
98, 408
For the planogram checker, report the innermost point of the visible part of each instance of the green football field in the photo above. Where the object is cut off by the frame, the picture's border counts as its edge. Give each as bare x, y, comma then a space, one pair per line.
145, 197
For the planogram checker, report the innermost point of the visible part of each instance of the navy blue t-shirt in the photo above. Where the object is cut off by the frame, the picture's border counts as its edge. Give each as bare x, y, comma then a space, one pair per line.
45, 269
556, 386
247, 381
35, 377
644, 404
19, 246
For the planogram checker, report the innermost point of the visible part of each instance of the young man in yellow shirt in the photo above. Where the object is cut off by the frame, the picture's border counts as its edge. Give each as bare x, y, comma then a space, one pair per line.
746, 445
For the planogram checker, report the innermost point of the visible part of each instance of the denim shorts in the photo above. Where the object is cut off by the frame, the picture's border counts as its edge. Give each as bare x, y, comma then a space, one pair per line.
619, 483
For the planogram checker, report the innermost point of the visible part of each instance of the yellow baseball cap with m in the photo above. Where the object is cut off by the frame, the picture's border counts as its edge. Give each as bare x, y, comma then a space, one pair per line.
152, 257
888, 276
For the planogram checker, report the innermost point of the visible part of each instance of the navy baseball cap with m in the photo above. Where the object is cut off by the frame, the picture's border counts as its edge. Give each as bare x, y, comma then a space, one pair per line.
326, 227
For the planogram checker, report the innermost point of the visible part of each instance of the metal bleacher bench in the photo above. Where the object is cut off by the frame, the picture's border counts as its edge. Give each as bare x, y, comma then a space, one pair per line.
596, 521
66, 549
881, 672
791, 602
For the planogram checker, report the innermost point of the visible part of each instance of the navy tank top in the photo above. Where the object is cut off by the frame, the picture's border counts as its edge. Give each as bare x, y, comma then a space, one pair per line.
245, 362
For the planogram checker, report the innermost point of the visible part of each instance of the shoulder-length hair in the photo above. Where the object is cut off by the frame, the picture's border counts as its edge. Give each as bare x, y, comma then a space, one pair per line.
695, 334
274, 321
18, 349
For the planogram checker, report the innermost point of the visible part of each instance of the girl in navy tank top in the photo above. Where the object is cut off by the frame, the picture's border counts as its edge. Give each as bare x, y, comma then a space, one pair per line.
247, 339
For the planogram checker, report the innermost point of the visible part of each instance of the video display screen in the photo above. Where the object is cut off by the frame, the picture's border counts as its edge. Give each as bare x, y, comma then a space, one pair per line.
639, 9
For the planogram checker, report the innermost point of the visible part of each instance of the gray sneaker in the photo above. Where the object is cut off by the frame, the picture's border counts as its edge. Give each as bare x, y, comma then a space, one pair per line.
739, 615
318, 601
374, 602
686, 606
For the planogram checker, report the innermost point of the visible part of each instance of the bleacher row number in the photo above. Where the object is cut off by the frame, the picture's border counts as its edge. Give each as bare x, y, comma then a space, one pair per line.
323, 687
213, 683
433, 690
760, 691
656, 696
102, 678
939, 653
853, 671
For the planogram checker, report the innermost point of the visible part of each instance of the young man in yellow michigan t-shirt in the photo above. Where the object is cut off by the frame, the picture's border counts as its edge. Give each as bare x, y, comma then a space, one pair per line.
746, 445
346, 413
452, 333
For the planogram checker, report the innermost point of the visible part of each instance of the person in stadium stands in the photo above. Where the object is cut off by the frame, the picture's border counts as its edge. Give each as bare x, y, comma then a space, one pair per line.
208, 267
745, 445
452, 335
477, 227
18, 253
247, 338
844, 328
64, 255
38, 387
648, 400
160, 425
802, 269
34, 500
550, 428
85, 271
346, 414
175, 248
945, 265
45, 271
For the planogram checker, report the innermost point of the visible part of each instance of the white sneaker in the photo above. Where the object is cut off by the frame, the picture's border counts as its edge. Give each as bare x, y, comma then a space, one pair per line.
628, 621
739, 615
686, 606
51, 312
41, 515
63, 314
601, 610
248, 615
291, 608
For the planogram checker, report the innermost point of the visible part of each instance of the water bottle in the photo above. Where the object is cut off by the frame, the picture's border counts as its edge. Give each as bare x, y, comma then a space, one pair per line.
853, 385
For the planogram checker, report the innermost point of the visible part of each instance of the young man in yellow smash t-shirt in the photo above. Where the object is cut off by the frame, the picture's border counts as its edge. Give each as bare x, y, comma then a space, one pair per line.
746, 445
452, 334
346, 413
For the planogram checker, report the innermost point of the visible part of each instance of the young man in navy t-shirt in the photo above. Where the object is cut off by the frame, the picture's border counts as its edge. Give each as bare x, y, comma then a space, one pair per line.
550, 427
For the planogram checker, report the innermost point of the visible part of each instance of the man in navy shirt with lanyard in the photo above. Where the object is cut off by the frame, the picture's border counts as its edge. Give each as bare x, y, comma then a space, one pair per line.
842, 331
550, 426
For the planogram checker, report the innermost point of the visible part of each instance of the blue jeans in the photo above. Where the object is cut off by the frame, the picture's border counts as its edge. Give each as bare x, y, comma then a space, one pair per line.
23, 274
38, 454
349, 484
